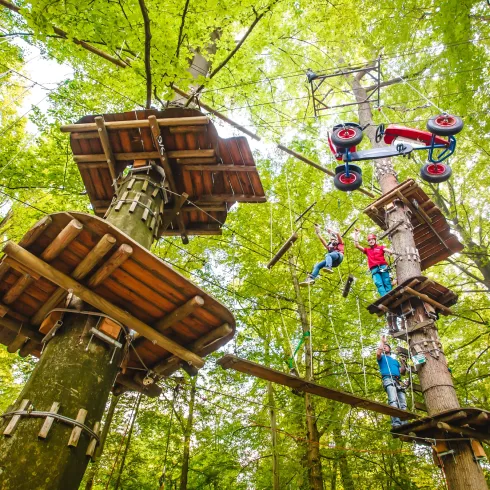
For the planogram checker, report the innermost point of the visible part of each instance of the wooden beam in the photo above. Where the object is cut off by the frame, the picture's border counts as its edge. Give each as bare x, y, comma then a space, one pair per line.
444, 309
193, 232
136, 123
64, 238
153, 390
178, 314
287, 245
36, 231
197, 161
210, 208
117, 258
77, 431
230, 198
122, 316
221, 168
82, 270
22, 283
248, 367
143, 155
158, 142
462, 431
168, 365
106, 146
20, 268
48, 422
16, 344
187, 129
21, 328
9, 430
176, 210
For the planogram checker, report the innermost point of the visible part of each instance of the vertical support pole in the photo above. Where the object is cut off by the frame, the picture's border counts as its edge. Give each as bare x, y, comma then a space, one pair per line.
275, 460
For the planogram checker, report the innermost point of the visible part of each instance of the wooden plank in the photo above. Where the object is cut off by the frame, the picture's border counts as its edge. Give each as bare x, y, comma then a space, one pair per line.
187, 129
22, 283
222, 168
143, 155
48, 422
77, 431
65, 237
230, 198
137, 123
19, 267
176, 210
117, 258
12, 425
16, 344
106, 146
287, 245
109, 327
443, 309
99, 302
93, 441
178, 314
158, 142
197, 161
248, 367
36, 231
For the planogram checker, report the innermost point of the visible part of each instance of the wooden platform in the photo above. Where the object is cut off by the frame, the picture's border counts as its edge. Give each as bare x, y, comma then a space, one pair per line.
174, 318
248, 367
466, 422
214, 172
440, 297
433, 237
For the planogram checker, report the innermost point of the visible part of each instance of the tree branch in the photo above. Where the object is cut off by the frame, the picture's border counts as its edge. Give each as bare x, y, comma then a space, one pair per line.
182, 23
146, 19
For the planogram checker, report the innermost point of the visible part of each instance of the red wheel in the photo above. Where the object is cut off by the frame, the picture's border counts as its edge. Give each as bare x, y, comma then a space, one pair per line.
445, 125
346, 136
435, 172
350, 182
341, 168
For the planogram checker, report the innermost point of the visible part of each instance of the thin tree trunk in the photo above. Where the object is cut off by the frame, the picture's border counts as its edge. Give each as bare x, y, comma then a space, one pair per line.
275, 461
462, 471
187, 437
312, 434
100, 448
74, 373
128, 442
345, 473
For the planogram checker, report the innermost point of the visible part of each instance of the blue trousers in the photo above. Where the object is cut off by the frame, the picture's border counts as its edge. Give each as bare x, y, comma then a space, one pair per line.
381, 278
396, 396
332, 259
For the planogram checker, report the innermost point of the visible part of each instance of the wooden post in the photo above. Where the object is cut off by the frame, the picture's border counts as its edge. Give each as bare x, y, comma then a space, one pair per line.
436, 381
275, 460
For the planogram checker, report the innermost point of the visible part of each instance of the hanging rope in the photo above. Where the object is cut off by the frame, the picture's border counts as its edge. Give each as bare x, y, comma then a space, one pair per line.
340, 353
161, 480
310, 332
130, 423
272, 253
362, 345
292, 360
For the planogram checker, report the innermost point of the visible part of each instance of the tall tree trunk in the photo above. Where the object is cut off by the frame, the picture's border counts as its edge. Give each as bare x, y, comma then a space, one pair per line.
312, 434
100, 448
275, 461
128, 443
345, 473
77, 375
187, 436
462, 471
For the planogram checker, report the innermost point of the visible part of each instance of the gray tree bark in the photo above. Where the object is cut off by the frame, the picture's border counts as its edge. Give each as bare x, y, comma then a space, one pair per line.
462, 472
76, 377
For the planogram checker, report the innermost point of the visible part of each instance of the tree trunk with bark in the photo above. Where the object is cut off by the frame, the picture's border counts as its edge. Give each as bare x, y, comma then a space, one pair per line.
187, 436
75, 373
312, 435
275, 460
345, 473
462, 471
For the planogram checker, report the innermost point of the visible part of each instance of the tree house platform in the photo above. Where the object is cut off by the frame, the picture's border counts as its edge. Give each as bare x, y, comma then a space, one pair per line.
433, 237
201, 168
467, 422
248, 367
421, 288
175, 320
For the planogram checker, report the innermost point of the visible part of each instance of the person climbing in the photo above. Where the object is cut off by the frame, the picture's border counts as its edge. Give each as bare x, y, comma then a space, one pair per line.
376, 262
391, 370
333, 258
